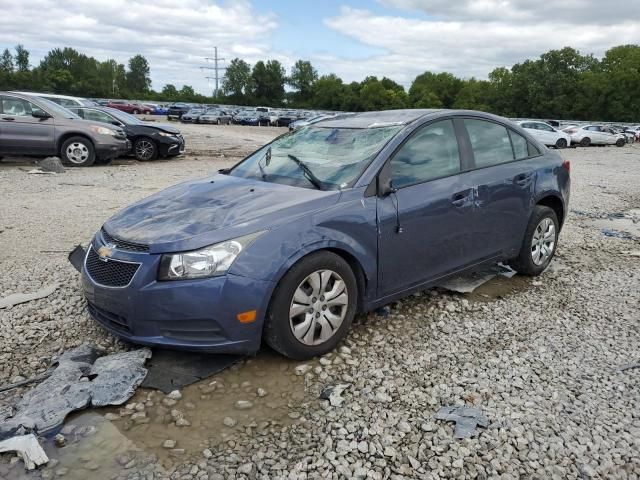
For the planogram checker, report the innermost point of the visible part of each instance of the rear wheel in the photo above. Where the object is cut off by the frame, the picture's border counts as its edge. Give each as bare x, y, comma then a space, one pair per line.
312, 307
135, 112
78, 152
539, 244
585, 142
620, 142
561, 143
145, 149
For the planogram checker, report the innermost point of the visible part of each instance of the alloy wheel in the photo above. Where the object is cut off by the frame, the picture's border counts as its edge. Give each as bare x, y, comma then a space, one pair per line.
543, 241
77, 152
144, 149
318, 307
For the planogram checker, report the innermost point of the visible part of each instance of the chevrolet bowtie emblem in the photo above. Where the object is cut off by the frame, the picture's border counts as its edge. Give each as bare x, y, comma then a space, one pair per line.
105, 251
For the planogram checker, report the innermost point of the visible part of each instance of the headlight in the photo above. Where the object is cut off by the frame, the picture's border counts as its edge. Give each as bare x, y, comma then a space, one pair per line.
102, 130
165, 134
210, 261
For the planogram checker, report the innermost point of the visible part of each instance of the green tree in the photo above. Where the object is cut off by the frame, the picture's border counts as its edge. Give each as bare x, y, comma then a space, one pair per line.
237, 81
268, 82
6, 61
434, 90
302, 78
169, 92
474, 95
138, 76
22, 59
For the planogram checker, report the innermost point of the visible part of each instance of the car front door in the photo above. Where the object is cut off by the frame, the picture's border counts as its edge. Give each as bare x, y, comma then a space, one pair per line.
21, 132
423, 225
548, 135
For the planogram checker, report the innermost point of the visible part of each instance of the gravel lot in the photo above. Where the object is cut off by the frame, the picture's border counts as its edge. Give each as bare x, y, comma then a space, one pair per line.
539, 357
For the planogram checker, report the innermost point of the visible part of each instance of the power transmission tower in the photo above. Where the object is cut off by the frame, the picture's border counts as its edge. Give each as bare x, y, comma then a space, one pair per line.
216, 69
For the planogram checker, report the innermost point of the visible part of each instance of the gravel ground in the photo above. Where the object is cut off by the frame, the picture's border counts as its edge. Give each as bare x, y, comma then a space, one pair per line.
538, 357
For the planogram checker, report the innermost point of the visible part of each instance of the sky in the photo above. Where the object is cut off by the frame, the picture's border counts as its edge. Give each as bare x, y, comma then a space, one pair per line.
353, 39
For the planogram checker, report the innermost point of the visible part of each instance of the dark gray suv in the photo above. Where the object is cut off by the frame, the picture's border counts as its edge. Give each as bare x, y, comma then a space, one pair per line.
36, 126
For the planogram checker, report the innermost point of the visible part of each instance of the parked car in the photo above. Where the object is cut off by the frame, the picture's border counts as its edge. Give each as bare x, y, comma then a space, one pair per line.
193, 115
341, 217
175, 111
286, 118
156, 109
215, 115
546, 134
595, 135
63, 100
129, 107
36, 126
149, 140
248, 118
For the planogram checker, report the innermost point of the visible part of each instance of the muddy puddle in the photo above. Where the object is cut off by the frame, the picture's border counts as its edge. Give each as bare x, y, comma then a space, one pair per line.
625, 225
499, 287
255, 395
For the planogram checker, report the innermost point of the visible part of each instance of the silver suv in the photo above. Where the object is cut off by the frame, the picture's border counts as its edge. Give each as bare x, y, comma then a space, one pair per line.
36, 126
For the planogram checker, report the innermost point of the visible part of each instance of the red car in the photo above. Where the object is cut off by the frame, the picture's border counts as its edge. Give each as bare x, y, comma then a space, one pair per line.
129, 107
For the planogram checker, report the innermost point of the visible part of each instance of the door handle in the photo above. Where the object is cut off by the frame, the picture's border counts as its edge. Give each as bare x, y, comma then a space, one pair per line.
459, 199
524, 179
8, 119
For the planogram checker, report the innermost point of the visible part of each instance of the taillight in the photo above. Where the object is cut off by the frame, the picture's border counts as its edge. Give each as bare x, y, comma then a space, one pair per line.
567, 165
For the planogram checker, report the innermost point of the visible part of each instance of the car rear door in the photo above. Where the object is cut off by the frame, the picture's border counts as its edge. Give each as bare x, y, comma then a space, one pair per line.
21, 132
423, 226
503, 176
547, 134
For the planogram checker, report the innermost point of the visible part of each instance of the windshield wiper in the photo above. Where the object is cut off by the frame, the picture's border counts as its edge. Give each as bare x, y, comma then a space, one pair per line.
267, 156
307, 172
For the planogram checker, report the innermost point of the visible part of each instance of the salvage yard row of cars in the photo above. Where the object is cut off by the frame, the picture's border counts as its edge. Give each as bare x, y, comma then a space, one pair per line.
84, 132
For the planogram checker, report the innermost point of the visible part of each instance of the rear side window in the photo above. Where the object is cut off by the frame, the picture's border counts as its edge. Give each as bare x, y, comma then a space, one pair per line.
490, 142
432, 152
519, 143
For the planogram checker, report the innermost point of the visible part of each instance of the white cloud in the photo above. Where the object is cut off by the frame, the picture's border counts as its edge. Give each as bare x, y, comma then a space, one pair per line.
174, 36
458, 37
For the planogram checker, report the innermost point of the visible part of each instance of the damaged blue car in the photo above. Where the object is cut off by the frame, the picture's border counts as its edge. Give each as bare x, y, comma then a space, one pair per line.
334, 219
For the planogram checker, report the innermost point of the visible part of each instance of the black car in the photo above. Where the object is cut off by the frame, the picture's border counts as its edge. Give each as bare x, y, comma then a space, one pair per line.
286, 118
175, 111
149, 140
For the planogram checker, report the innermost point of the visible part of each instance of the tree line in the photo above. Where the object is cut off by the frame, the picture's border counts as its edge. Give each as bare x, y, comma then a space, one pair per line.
559, 84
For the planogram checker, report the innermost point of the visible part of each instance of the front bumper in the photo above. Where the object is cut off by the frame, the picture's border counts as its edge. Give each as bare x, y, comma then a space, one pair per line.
112, 149
170, 147
199, 315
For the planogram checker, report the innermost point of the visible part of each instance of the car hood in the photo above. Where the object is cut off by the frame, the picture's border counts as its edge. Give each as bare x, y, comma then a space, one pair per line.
163, 127
197, 213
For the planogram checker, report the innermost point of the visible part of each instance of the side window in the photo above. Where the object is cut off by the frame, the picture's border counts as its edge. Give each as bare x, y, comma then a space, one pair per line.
68, 103
97, 116
54, 100
519, 145
18, 107
533, 150
432, 152
490, 142
545, 127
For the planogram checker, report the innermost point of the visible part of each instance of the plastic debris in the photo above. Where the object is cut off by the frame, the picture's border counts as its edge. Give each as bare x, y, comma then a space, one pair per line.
333, 394
607, 232
466, 419
51, 164
383, 311
76, 257
76, 383
469, 282
17, 298
27, 448
628, 366
35, 171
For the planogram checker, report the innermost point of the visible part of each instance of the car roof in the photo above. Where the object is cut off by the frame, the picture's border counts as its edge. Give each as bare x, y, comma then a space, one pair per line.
376, 119
52, 95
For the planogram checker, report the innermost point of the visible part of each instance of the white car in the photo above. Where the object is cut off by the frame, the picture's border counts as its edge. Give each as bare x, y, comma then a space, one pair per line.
546, 134
63, 100
595, 135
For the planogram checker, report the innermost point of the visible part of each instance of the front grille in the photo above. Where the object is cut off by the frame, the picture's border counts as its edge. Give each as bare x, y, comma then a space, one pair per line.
108, 319
110, 273
122, 244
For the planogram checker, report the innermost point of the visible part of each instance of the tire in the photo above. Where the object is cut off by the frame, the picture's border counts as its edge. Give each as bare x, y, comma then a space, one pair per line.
279, 325
561, 143
145, 149
78, 152
585, 142
103, 161
532, 259
219, 122
620, 142
135, 112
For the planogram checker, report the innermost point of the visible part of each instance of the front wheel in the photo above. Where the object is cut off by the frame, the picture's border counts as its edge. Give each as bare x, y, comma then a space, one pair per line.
145, 149
585, 142
539, 244
78, 152
561, 143
312, 307
620, 142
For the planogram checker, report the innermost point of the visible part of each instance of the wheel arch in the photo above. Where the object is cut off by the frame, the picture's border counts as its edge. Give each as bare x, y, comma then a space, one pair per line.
555, 203
67, 135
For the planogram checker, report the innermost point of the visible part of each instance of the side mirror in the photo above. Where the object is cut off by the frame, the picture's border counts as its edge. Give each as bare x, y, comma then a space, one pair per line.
41, 114
116, 123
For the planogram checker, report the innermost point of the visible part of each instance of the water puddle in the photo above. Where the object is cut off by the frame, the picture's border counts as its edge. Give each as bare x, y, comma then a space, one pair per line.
259, 394
624, 225
499, 287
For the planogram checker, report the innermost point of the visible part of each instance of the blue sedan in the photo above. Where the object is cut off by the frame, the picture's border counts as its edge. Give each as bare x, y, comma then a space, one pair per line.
336, 218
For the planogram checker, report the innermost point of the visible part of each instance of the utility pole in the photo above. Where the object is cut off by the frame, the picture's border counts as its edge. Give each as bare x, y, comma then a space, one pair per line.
216, 69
